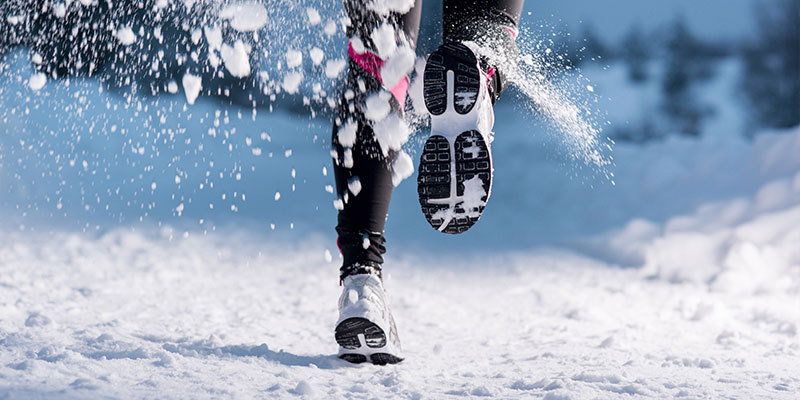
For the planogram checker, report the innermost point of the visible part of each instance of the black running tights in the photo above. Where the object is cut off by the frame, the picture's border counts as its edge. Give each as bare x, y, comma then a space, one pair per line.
362, 216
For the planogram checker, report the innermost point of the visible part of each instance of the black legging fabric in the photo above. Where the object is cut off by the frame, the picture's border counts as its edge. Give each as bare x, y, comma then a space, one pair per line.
364, 215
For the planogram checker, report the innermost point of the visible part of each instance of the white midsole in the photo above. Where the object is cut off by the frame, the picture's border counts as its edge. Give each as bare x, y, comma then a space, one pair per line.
450, 124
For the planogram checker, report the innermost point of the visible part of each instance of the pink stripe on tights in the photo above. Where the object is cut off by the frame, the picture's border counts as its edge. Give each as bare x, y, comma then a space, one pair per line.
372, 64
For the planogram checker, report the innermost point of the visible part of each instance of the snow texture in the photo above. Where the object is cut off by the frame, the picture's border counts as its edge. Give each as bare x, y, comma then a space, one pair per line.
347, 133
402, 168
377, 106
192, 84
385, 7
245, 16
198, 315
213, 36
313, 16
291, 81
398, 66
294, 58
334, 67
384, 40
37, 81
392, 133
236, 59
316, 55
126, 36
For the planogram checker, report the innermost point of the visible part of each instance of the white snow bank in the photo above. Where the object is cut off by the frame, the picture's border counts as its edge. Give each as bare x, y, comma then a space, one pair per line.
239, 313
746, 244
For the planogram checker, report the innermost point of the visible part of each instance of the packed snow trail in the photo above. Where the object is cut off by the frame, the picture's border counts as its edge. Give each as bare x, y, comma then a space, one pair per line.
147, 313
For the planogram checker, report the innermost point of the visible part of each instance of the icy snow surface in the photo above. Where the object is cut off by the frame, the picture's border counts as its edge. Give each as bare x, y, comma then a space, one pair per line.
171, 247
153, 313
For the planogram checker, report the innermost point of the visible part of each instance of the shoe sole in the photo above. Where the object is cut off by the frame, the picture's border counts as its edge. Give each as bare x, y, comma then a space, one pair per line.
449, 166
347, 336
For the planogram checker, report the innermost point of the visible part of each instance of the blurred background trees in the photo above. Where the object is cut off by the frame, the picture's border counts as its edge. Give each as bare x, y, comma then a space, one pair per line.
771, 61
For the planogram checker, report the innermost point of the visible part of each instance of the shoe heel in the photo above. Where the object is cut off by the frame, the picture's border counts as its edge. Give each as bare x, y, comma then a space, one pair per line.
459, 59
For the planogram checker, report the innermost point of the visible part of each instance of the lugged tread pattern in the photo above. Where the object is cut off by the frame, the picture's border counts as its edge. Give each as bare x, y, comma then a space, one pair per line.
435, 175
384, 358
354, 358
347, 333
348, 330
472, 159
458, 58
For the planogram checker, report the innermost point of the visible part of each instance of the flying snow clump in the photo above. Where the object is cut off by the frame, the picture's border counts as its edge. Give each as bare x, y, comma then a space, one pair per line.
291, 81
398, 66
126, 36
236, 59
245, 16
192, 84
37, 81
334, 67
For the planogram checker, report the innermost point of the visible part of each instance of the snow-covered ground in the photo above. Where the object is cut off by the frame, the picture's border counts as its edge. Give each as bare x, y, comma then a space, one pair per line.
152, 248
709, 308
147, 313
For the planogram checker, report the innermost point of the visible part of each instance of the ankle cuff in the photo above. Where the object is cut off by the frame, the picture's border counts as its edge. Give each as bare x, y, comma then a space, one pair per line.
359, 269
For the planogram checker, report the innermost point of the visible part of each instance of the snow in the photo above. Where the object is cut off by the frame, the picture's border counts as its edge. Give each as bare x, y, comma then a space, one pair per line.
398, 66
37, 81
384, 40
415, 89
316, 55
679, 281
330, 28
125, 36
334, 67
236, 59
347, 133
473, 197
198, 315
402, 168
245, 16
354, 185
313, 16
213, 36
291, 81
192, 84
392, 133
59, 10
377, 106
294, 58
385, 7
